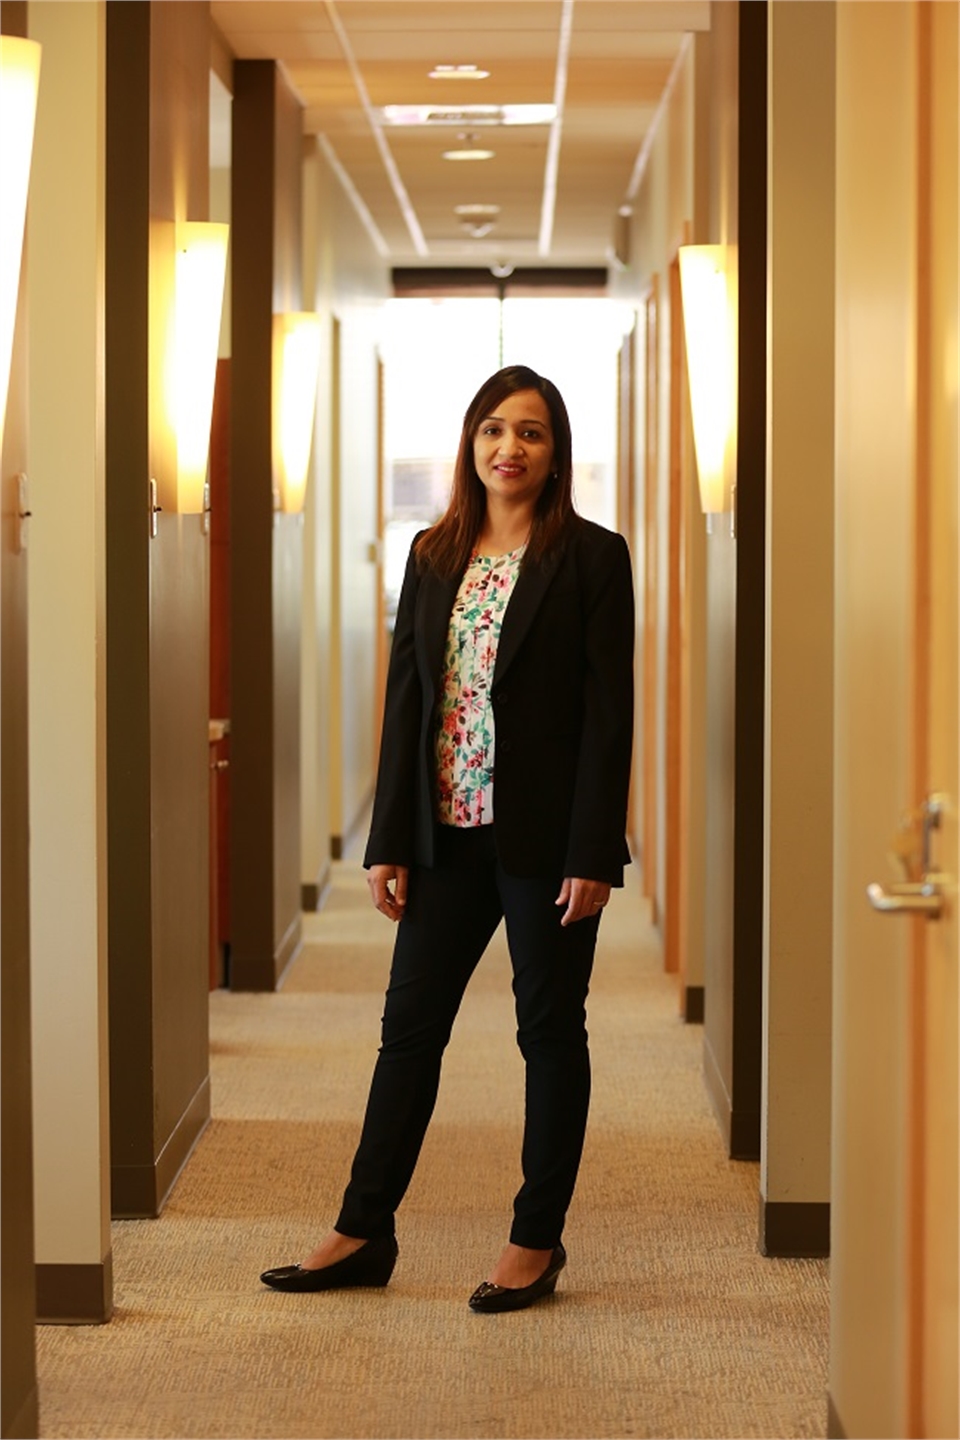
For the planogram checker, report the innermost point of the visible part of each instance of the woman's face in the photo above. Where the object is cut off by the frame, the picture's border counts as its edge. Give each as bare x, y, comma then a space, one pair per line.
513, 448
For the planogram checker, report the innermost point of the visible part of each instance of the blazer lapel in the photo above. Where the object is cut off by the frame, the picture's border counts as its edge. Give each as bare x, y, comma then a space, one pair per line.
532, 584
434, 605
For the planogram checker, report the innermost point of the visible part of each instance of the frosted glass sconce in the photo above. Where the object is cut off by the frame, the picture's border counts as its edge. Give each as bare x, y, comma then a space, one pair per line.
201, 266
19, 83
296, 369
710, 360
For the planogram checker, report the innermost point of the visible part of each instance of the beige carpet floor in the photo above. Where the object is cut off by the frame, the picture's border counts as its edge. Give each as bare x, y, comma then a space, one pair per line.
667, 1321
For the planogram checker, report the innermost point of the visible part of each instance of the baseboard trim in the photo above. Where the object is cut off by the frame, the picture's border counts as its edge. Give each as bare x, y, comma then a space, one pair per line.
693, 1004
288, 949
27, 1419
794, 1230
313, 895
717, 1093
139, 1192
740, 1128
75, 1294
835, 1430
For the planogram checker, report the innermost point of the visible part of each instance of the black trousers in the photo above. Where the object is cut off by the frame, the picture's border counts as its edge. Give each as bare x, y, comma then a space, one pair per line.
453, 908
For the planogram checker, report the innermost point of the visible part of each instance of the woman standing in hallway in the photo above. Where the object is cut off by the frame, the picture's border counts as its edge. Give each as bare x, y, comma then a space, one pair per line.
514, 633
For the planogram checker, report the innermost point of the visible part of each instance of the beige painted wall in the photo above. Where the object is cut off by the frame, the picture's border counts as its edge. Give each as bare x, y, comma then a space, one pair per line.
798, 838
721, 582
220, 211
67, 682
672, 197
315, 678
18, 1394
347, 281
876, 346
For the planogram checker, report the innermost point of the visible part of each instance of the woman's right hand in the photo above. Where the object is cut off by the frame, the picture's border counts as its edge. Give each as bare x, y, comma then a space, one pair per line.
391, 903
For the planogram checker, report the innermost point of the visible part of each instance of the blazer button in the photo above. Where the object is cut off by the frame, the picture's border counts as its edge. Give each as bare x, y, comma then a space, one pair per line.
502, 697
504, 747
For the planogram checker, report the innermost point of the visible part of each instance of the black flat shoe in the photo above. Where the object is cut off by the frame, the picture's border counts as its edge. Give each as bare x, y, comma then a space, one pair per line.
372, 1264
490, 1299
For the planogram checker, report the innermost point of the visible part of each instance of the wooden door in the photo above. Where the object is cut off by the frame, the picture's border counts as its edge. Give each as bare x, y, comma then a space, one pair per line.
933, 1248
894, 1191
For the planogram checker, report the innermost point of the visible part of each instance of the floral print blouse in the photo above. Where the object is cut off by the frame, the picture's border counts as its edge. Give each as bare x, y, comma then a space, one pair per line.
464, 724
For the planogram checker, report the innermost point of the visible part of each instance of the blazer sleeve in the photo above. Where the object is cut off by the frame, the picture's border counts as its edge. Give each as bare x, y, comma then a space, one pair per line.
392, 828
597, 848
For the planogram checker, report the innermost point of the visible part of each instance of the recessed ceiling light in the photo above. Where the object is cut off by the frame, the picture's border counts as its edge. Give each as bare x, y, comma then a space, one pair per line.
476, 210
410, 115
458, 72
468, 154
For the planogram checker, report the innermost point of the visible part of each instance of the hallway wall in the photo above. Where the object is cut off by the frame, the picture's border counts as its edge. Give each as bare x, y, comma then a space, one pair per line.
743, 827
798, 693
669, 209
157, 615
733, 959
18, 1391
266, 545
68, 842
345, 279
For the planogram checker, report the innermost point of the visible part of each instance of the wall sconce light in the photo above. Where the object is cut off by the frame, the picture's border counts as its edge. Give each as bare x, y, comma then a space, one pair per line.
201, 266
709, 343
296, 370
19, 83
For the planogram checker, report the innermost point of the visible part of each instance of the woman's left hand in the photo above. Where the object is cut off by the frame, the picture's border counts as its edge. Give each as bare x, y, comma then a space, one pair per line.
582, 898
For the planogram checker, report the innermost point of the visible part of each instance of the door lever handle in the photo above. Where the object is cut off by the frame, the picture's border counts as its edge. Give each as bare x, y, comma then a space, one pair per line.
922, 897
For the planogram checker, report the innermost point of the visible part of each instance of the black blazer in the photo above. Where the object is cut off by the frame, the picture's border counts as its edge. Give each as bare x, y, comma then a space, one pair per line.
563, 714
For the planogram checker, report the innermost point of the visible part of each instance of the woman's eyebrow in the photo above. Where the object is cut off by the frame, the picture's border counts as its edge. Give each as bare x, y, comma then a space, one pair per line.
499, 419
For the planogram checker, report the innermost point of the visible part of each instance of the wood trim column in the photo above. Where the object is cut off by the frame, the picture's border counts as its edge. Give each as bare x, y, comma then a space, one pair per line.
266, 548
158, 66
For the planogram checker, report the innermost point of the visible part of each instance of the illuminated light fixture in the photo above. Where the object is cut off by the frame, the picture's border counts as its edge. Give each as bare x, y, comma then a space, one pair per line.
458, 72
19, 83
296, 370
709, 336
201, 266
412, 115
477, 212
470, 154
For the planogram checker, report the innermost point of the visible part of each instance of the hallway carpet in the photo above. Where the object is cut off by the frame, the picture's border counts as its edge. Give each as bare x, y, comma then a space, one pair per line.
667, 1322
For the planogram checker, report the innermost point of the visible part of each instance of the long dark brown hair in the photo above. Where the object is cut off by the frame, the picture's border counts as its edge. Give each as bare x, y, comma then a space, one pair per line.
447, 546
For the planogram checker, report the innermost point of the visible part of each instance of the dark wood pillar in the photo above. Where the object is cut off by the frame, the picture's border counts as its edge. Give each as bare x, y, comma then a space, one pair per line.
265, 546
158, 65
735, 679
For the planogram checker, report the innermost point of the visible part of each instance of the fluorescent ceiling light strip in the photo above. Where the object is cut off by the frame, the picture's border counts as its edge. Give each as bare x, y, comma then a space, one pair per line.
410, 115
549, 205
354, 196
643, 158
389, 164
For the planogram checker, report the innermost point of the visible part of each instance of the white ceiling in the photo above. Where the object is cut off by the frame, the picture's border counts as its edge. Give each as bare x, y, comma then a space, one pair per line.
605, 64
